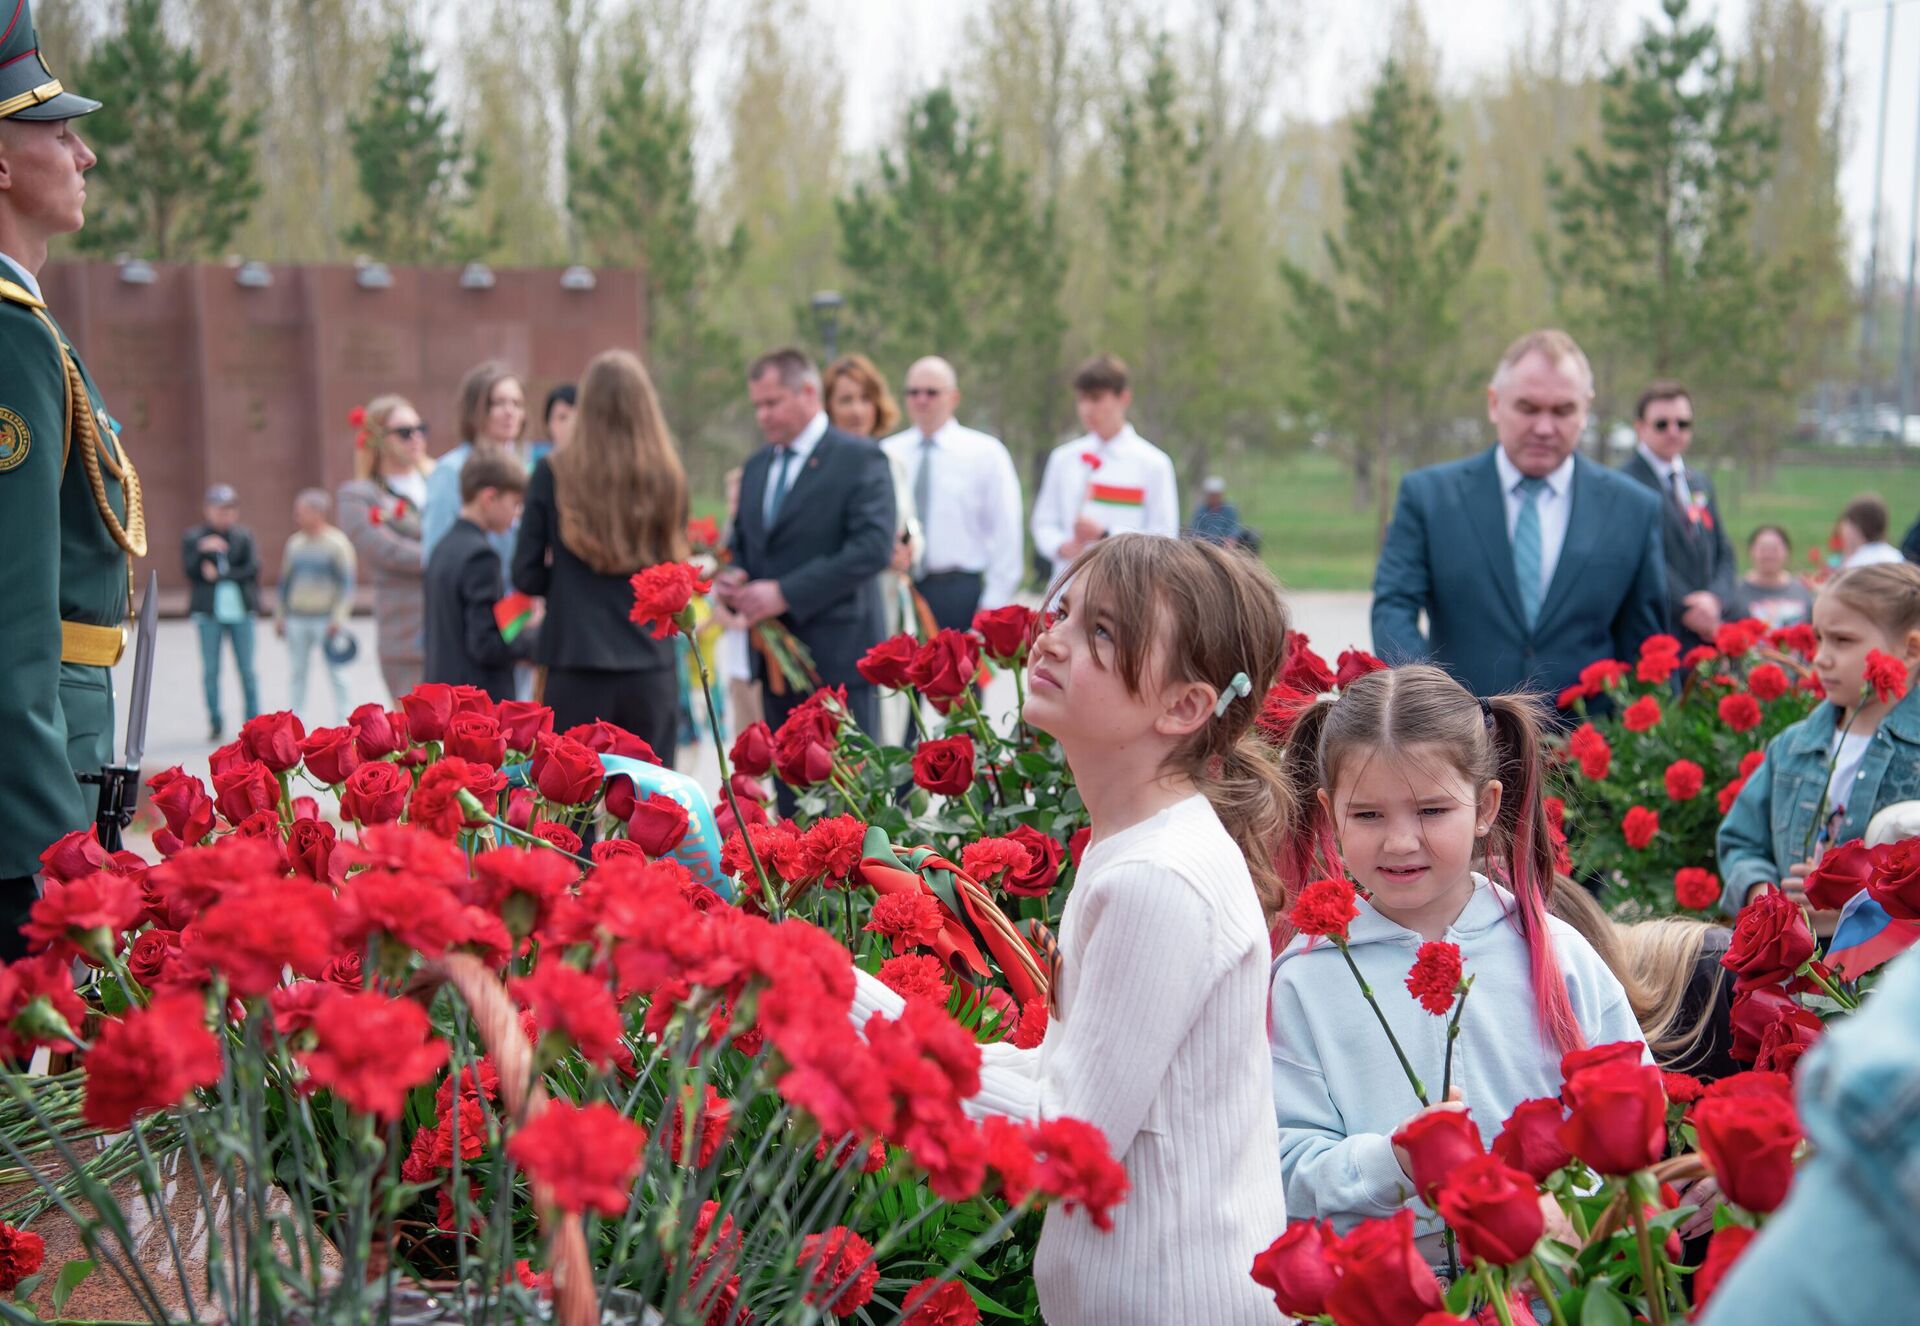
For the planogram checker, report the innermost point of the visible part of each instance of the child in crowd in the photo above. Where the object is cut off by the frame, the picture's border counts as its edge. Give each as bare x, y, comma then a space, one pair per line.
316, 595
1862, 530
465, 643
1413, 776
1825, 776
1155, 659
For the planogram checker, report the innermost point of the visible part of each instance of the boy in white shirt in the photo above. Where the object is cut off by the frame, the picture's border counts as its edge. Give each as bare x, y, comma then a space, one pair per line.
1108, 481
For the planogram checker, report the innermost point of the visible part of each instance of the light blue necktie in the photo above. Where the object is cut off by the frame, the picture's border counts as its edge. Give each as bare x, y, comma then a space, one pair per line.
1526, 548
777, 487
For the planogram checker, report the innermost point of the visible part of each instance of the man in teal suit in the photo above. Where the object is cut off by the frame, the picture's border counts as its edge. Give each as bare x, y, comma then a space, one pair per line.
1529, 560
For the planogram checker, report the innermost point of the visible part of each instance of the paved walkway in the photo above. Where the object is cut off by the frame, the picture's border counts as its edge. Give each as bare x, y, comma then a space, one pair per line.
177, 725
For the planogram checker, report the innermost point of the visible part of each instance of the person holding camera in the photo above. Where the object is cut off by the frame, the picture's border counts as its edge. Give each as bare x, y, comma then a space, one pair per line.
223, 567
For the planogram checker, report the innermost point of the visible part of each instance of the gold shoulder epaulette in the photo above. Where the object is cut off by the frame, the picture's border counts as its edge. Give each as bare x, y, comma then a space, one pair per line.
14, 293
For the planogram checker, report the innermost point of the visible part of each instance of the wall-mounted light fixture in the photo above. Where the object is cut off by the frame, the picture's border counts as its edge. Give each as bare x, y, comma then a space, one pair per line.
476, 276
578, 277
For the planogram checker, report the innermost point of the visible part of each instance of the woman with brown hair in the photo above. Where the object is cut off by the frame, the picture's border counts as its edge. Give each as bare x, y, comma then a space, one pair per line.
493, 414
380, 510
611, 503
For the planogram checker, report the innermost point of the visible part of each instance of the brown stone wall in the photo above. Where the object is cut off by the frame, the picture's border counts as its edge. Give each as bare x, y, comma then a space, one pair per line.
217, 383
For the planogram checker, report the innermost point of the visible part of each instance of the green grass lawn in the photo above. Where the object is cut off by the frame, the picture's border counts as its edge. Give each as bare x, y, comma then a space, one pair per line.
1314, 538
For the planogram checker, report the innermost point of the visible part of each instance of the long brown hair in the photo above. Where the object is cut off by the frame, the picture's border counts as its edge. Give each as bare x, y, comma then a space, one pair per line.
1398, 709
1221, 615
372, 449
619, 485
476, 397
867, 378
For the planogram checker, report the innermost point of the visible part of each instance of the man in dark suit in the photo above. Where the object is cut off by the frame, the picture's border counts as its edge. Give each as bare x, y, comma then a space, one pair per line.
814, 530
1529, 560
1699, 555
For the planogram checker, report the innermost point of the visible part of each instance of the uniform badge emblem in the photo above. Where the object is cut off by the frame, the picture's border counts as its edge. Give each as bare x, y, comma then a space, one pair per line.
15, 438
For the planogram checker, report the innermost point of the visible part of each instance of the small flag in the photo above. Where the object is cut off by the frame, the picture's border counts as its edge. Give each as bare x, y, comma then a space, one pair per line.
512, 613
1115, 495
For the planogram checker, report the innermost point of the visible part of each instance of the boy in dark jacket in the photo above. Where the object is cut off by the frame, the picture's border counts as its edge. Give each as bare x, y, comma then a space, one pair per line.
223, 571
465, 643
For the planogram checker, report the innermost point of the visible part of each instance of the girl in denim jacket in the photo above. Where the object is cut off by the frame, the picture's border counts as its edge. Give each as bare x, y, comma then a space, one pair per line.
1845, 760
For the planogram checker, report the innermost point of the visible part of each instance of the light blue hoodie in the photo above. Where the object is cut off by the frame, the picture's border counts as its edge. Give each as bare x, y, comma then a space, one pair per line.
1338, 1091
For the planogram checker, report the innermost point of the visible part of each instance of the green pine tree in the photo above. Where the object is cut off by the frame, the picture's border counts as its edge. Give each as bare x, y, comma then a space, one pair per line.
1654, 261
632, 194
176, 174
417, 177
947, 254
1381, 338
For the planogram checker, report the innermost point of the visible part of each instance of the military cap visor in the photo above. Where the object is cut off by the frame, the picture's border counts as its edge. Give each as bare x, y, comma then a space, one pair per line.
28, 89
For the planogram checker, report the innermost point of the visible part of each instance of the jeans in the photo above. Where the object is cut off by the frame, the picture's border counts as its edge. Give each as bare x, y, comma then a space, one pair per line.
241, 634
305, 637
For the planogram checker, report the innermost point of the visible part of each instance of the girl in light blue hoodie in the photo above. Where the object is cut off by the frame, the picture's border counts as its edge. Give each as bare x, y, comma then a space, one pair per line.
1409, 778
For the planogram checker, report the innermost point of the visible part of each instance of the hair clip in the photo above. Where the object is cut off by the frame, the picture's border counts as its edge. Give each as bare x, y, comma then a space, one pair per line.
1236, 688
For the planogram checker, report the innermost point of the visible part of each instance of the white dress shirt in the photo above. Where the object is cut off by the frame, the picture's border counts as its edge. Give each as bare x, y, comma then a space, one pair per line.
800, 449
20, 276
1664, 471
1555, 504
973, 518
1125, 460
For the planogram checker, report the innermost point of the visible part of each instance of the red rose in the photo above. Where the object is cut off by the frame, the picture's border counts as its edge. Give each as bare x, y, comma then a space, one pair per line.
1696, 888
245, 788
21, 1253
273, 739
1684, 780
74, 855
310, 848
945, 666
1753, 1011
150, 954
803, 748
1842, 872
661, 594
1006, 631
1594, 1056
1297, 1268
1494, 1209
1895, 882
375, 793
477, 738
1304, 670
1044, 855
1077, 845
1383, 1279
1618, 1117
886, 663
183, 801
565, 772
1324, 907
1723, 1251
150, 1060
1438, 1142
659, 824
1435, 976
1782, 1041
522, 721
945, 765
620, 798
1639, 826
753, 751
1768, 682
1770, 941
370, 1051
1642, 714
377, 733
1352, 665
1530, 1138
1749, 1141
429, 708
604, 738
1280, 711
1740, 711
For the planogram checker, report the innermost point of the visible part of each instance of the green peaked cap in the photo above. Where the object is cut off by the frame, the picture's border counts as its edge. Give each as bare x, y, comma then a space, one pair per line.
28, 89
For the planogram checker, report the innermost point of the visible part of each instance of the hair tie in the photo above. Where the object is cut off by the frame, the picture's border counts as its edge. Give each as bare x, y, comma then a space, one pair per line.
1236, 688
1486, 712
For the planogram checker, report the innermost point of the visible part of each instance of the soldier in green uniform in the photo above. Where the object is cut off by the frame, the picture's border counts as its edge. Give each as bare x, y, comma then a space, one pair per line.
71, 521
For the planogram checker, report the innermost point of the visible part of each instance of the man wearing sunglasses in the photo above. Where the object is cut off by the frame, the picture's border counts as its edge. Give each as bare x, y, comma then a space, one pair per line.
1699, 555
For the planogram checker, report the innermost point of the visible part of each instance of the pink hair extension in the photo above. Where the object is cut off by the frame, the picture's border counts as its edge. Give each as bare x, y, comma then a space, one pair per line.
1550, 1001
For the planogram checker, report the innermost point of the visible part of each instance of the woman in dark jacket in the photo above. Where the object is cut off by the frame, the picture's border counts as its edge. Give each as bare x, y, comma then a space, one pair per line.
611, 503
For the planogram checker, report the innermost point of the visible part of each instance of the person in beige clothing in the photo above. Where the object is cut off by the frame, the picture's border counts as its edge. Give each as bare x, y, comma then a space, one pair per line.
380, 511
316, 596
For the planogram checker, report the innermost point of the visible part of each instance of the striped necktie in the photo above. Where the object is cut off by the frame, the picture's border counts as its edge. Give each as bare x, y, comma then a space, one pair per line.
1526, 548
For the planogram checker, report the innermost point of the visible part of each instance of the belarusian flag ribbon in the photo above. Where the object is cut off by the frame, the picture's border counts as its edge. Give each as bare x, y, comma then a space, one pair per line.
1116, 495
512, 613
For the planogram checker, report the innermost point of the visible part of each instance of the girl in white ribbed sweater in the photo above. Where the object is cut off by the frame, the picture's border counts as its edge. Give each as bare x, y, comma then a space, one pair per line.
1156, 656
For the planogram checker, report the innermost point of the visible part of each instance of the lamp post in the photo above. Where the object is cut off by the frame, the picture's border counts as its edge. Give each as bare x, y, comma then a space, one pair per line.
826, 312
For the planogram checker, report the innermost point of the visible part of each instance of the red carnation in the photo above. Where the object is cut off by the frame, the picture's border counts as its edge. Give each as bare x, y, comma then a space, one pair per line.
1590, 748
21, 1252
1749, 1141
1655, 669
1799, 638
1887, 675
37, 1004
1435, 976
1696, 888
841, 1270
1638, 827
1740, 711
1005, 631
886, 663
916, 976
1770, 942
252, 934
1736, 638
1642, 714
1684, 780
711, 1119
1728, 1242
1298, 1268
661, 594
84, 916
1042, 871
753, 751
150, 1060
585, 1156
1530, 1138
945, 765
910, 920
940, 1303
1077, 1168
985, 859
370, 1050
1618, 1116
570, 1003
1324, 907
1768, 682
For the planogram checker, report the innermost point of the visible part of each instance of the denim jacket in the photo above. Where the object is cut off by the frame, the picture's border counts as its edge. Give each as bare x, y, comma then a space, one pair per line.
1765, 833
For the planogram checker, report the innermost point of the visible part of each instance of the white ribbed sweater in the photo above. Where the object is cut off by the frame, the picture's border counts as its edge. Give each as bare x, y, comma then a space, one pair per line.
1160, 1041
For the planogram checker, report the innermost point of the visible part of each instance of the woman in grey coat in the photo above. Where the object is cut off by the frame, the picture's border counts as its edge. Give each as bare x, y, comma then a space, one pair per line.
380, 510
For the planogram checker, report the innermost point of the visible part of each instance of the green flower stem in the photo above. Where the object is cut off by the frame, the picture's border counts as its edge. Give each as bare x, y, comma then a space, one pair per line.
1820, 812
1453, 1034
1538, 1274
1500, 1308
767, 891
1833, 991
1651, 1280
979, 820
1393, 1040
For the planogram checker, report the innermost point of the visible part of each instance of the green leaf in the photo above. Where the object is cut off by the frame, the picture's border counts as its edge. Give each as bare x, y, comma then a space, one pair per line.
70, 1277
1603, 1307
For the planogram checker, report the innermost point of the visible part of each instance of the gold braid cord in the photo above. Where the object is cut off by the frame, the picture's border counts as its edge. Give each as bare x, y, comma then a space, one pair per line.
131, 537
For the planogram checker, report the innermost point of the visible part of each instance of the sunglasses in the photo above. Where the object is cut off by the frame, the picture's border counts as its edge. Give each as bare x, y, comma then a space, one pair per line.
1678, 425
924, 391
408, 431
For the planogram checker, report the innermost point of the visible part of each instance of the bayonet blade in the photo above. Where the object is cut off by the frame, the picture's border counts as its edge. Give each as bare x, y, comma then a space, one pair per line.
146, 638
